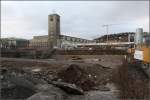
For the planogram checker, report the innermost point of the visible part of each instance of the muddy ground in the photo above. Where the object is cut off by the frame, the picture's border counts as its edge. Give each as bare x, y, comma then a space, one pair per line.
50, 79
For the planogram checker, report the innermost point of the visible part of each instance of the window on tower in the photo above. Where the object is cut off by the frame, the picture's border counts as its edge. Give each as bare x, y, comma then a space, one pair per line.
51, 19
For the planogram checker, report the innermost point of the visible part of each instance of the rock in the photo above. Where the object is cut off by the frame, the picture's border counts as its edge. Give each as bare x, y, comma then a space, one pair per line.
45, 96
20, 81
99, 95
102, 88
45, 87
48, 92
69, 88
16, 92
36, 69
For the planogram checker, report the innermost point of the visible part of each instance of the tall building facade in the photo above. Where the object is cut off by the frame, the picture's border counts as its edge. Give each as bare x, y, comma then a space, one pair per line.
53, 30
54, 37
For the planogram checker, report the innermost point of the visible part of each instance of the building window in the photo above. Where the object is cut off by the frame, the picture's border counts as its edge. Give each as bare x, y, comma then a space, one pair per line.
51, 19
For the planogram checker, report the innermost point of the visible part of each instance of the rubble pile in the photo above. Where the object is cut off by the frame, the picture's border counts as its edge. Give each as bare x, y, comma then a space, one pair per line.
19, 84
42, 83
87, 78
76, 75
100, 74
46, 75
16, 92
13, 87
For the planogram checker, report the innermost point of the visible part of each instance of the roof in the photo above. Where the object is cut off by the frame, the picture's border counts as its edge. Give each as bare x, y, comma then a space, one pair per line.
54, 14
115, 35
73, 37
13, 38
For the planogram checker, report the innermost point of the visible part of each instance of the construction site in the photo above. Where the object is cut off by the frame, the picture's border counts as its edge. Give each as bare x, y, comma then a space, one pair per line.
60, 67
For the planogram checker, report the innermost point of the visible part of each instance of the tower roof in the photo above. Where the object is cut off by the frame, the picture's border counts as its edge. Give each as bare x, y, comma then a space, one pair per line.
54, 14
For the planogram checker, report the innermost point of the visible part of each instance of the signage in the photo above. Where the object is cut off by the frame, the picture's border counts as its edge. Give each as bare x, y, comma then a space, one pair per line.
138, 55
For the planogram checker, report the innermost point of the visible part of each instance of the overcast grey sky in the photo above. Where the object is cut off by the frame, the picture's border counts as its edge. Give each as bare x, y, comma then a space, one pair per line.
78, 18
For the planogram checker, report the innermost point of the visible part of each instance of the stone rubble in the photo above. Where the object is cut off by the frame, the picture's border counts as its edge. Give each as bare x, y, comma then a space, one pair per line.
39, 84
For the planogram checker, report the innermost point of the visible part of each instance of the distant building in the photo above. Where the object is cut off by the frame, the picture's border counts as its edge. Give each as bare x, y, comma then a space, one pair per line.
119, 37
66, 42
10, 43
54, 39
39, 42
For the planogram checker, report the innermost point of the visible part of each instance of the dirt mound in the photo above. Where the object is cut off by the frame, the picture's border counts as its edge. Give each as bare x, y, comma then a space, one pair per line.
86, 78
100, 74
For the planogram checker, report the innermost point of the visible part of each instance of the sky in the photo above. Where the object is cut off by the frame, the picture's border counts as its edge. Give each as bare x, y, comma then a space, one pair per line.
84, 19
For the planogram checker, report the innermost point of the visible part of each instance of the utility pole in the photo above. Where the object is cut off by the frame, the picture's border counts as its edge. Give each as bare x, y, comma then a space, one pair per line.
107, 28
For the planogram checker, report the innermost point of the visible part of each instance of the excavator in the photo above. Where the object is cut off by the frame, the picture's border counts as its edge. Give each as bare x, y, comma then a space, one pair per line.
140, 53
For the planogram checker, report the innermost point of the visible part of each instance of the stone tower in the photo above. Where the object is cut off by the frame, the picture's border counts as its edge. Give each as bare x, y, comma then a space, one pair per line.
53, 30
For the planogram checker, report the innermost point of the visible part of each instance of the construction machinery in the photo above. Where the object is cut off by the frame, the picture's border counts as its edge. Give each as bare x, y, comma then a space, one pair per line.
140, 53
